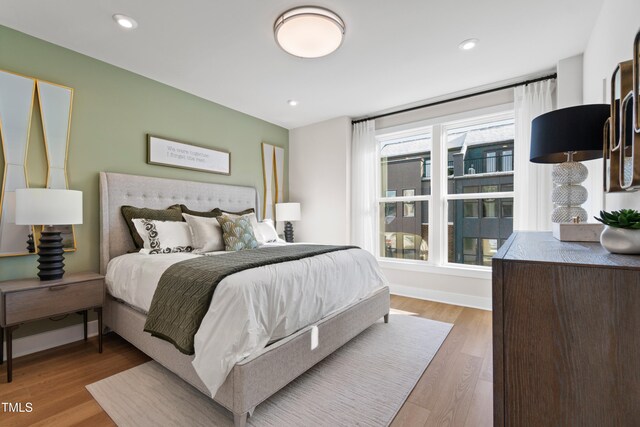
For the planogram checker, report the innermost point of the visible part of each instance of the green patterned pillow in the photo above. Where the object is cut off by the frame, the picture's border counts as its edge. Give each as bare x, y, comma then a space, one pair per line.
237, 233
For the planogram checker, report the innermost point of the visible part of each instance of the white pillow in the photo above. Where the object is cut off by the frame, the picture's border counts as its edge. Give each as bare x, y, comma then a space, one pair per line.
206, 233
266, 232
163, 237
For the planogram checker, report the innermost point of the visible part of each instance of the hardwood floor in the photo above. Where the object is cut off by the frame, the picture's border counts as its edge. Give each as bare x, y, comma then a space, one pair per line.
455, 390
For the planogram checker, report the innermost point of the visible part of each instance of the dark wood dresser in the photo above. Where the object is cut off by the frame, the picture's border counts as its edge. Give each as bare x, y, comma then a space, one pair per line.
566, 334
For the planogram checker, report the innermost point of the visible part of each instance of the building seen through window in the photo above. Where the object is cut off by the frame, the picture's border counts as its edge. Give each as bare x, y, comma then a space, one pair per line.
479, 161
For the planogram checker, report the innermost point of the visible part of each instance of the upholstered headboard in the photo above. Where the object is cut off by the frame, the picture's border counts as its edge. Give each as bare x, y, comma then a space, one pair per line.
158, 193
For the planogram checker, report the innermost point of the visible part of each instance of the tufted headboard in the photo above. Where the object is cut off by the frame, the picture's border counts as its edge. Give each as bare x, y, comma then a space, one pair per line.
118, 189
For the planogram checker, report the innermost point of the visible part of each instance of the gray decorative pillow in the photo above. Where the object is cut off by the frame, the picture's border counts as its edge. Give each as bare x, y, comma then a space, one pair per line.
204, 214
218, 212
237, 233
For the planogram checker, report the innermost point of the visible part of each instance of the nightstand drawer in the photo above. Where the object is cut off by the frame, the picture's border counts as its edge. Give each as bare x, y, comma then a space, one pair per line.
52, 300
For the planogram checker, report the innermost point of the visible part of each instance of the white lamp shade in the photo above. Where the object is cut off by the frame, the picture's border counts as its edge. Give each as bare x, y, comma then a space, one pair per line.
288, 211
43, 206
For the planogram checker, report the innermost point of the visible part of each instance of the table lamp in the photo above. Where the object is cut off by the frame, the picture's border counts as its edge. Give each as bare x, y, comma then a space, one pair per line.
47, 207
288, 212
566, 137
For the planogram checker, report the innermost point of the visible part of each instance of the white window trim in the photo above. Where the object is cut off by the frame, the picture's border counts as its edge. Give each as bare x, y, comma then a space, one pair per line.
437, 261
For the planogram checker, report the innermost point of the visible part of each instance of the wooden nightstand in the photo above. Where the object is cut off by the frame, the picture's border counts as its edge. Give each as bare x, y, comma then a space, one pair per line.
32, 299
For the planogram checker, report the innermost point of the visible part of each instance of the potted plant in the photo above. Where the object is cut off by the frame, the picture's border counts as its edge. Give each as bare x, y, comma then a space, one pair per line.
621, 234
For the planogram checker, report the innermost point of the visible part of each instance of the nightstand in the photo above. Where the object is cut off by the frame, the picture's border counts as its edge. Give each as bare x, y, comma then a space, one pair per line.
32, 299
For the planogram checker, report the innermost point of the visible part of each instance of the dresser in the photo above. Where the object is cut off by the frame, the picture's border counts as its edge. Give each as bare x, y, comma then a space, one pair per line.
26, 300
566, 334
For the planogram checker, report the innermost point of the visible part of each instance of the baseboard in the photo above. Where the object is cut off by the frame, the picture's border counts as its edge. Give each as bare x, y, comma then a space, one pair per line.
50, 339
440, 296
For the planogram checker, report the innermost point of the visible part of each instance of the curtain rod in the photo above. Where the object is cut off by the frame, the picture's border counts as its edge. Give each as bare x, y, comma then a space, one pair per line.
457, 98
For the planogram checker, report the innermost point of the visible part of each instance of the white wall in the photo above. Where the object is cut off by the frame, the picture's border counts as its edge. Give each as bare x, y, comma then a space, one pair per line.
319, 165
569, 81
611, 42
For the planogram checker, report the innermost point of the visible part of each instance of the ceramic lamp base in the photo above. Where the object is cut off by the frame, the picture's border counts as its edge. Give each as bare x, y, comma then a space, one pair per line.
288, 232
568, 195
51, 256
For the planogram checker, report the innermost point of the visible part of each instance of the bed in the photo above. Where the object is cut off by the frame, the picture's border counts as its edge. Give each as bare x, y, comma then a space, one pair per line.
258, 376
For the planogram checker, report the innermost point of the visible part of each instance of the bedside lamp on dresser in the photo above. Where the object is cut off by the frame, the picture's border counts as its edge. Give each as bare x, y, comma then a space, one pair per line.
26, 300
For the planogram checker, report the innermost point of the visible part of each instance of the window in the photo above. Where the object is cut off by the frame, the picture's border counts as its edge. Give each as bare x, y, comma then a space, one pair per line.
507, 160
506, 208
471, 209
409, 208
405, 163
470, 250
489, 249
470, 189
490, 162
427, 169
467, 168
489, 208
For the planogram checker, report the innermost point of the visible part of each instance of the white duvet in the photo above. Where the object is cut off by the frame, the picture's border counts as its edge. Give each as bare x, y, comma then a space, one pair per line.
251, 308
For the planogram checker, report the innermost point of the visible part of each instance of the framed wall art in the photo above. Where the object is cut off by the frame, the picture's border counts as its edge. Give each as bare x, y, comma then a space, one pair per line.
169, 152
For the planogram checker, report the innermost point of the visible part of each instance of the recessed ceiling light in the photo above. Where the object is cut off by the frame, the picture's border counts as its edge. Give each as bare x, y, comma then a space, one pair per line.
468, 44
292, 102
309, 32
125, 21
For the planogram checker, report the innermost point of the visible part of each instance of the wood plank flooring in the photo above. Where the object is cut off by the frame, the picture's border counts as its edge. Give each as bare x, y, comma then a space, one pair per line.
455, 390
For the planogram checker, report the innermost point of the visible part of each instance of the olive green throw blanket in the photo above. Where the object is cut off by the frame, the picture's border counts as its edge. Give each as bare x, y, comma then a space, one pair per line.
185, 289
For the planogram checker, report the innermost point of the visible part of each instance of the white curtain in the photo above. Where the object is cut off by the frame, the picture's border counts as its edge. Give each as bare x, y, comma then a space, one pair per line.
364, 155
532, 182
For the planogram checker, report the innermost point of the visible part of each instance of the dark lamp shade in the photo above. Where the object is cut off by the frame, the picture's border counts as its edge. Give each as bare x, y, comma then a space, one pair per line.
578, 129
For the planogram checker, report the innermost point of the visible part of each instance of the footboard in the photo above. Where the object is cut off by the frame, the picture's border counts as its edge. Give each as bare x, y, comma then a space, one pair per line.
257, 378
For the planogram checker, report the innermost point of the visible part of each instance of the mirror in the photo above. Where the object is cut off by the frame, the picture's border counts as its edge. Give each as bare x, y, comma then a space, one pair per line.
55, 108
636, 81
629, 175
16, 107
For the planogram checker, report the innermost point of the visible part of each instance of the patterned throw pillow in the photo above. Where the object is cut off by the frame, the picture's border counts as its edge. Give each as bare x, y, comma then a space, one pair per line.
163, 237
172, 213
237, 233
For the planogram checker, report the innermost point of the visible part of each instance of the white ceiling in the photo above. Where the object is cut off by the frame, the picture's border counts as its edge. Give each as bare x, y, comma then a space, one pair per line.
394, 53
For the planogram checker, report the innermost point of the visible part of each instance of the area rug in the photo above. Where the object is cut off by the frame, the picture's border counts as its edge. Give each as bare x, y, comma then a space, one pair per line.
363, 383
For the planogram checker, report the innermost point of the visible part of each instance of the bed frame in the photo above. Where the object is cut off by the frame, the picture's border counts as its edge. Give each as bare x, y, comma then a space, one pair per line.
258, 377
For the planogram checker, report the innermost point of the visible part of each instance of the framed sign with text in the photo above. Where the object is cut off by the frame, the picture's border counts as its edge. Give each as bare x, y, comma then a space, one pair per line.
168, 152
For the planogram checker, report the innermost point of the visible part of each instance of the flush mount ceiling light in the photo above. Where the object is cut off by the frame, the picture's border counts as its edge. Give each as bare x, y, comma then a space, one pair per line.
468, 44
309, 32
292, 102
125, 21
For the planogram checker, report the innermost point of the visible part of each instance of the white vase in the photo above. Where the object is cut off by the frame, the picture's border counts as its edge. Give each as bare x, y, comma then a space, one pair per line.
620, 240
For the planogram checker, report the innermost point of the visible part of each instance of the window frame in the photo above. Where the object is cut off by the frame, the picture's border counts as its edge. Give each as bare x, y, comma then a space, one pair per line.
437, 202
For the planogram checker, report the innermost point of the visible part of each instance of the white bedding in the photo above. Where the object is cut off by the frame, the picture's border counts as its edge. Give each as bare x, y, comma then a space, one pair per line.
251, 308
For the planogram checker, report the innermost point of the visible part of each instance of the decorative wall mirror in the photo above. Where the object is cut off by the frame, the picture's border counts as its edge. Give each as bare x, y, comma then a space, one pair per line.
622, 131
55, 108
16, 107
17, 99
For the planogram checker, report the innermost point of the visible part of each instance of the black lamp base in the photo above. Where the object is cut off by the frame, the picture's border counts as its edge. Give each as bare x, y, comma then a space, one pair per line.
288, 232
51, 259
31, 245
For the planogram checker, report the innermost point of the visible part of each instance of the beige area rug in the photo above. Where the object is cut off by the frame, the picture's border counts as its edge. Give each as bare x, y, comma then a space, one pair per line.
364, 383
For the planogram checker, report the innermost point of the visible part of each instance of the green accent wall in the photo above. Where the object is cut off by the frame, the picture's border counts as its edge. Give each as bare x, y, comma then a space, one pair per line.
113, 110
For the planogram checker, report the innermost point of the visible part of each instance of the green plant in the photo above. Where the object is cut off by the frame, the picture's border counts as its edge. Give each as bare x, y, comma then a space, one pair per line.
624, 218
